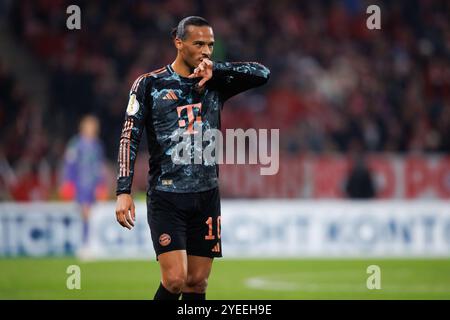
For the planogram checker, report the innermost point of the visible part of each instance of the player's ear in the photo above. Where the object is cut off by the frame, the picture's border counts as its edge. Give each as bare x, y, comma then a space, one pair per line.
178, 43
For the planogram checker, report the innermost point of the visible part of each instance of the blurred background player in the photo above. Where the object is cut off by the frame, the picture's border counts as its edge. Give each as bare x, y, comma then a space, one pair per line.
82, 171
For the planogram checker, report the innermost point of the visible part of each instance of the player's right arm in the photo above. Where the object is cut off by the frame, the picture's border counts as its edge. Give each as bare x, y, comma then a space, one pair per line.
132, 129
125, 210
67, 190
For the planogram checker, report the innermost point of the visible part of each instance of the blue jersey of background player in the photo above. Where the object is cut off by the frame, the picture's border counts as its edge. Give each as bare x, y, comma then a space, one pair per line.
83, 167
183, 203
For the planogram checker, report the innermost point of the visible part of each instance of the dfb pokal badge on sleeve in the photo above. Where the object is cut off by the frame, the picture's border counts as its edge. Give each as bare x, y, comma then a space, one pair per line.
133, 105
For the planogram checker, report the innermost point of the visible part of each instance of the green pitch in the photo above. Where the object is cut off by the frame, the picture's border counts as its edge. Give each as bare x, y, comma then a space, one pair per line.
230, 279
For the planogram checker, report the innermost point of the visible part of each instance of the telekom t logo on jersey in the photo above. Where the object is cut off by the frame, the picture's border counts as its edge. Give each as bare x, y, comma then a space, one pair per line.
193, 114
207, 145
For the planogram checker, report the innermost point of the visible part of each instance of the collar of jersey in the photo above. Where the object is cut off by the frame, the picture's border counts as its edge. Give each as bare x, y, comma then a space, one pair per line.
171, 71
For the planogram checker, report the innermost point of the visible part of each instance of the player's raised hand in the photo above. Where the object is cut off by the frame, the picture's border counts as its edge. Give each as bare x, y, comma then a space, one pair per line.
204, 71
125, 211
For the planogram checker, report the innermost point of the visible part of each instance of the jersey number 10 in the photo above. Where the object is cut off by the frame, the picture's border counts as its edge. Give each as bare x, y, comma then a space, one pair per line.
210, 235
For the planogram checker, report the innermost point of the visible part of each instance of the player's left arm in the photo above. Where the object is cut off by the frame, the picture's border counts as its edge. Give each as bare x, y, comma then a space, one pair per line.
231, 78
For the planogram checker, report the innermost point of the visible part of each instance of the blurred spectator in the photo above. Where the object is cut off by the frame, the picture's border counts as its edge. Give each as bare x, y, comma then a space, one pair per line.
360, 183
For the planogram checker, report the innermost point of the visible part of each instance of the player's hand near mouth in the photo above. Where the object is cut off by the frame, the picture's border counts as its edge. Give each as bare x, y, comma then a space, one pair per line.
204, 71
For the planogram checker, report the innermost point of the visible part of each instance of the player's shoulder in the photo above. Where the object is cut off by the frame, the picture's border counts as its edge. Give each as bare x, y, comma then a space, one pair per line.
72, 145
149, 77
74, 141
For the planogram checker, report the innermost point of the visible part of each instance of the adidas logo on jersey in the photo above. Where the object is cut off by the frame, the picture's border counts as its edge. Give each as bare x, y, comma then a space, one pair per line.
170, 96
216, 248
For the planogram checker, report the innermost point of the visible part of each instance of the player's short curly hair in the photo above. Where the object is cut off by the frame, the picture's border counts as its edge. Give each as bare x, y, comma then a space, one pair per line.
180, 31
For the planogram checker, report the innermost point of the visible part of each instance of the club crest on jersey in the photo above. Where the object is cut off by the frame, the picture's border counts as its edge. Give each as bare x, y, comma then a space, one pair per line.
164, 239
133, 105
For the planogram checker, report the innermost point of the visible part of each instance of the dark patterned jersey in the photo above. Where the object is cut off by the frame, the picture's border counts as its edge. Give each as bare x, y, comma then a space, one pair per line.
170, 106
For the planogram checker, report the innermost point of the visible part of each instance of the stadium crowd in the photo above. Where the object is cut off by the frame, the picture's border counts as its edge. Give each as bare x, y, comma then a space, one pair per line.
335, 85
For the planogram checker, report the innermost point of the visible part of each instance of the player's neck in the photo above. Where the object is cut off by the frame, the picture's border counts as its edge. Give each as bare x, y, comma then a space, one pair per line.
181, 68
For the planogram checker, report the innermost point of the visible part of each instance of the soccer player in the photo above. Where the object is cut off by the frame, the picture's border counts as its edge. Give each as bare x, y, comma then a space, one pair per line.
82, 172
183, 201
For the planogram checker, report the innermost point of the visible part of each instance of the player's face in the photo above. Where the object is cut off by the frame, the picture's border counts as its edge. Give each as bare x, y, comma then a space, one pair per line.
89, 127
198, 45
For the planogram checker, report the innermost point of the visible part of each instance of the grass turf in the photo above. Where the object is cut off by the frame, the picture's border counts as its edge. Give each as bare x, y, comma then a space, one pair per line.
27, 278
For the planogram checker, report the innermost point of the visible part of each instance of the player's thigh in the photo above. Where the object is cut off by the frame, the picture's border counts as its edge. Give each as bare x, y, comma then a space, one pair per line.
199, 268
173, 265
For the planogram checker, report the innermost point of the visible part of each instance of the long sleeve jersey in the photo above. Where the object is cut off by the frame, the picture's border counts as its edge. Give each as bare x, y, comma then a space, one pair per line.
165, 103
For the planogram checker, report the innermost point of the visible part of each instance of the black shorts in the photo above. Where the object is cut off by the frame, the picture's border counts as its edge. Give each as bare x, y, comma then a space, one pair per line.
185, 221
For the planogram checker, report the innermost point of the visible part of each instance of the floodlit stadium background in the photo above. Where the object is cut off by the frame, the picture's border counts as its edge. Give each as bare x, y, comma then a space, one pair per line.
338, 92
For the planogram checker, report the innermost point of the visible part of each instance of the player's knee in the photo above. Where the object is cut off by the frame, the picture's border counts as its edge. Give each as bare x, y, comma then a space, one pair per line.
174, 282
197, 283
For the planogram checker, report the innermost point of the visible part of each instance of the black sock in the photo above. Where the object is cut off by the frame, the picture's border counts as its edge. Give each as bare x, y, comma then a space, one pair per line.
193, 296
164, 294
